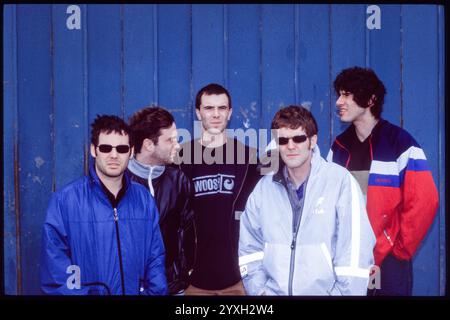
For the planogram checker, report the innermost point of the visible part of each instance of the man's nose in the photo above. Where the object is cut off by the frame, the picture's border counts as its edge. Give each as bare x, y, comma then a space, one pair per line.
113, 153
340, 101
216, 112
291, 144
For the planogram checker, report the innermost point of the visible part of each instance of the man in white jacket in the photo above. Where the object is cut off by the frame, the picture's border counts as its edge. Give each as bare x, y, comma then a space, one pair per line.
305, 229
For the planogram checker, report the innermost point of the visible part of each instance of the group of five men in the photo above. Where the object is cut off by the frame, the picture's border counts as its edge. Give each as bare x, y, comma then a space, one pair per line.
208, 218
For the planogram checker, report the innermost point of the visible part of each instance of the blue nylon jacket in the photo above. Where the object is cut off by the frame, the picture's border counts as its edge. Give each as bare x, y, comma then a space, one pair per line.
80, 242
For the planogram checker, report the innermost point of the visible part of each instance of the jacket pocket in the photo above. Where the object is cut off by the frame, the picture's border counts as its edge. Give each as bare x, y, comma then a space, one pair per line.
314, 269
386, 234
276, 265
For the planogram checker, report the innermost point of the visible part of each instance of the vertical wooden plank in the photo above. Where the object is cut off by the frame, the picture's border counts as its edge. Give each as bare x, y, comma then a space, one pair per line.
35, 133
174, 62
207, 45
442, 154
278, 71
420, 115
384, 59
139, 57
105, 60
69, 122
313, 69
348, 25
10, 209
244, 62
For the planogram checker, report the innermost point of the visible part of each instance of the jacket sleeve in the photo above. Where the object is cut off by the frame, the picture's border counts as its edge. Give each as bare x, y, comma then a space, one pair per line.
251, 248
420, 203
355, 241
156, 282
58, 275
187, 236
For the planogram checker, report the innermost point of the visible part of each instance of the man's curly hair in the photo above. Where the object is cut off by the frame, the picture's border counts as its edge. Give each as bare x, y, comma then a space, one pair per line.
363, 83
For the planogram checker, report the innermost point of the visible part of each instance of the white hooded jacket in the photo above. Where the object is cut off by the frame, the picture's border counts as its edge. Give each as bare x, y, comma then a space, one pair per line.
333, 251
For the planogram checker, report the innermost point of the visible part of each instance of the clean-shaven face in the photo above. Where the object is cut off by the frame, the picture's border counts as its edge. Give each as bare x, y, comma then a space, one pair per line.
113, 163
348, 109
214, 112
167, 146
296, 155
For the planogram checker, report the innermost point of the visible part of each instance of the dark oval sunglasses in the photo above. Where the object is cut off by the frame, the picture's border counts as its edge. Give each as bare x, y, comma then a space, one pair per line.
107, 148
297, 139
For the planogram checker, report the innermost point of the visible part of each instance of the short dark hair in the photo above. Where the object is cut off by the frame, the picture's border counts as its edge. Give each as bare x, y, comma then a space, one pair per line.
210, 89
293, 117
107, 124
362, 83
147, 124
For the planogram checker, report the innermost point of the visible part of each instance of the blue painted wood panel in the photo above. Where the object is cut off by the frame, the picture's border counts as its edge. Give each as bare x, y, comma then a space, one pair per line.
69, 105
10, 207
139, 50
277, 61
208, 46
420, 118
105, 60
35, 134
244, 60
174, 74
125, 57
313, 83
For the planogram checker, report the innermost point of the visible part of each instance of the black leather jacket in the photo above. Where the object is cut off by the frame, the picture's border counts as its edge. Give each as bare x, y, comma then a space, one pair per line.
173, 195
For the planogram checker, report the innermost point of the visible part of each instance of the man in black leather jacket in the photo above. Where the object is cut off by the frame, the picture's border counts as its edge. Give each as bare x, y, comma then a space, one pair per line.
154, 134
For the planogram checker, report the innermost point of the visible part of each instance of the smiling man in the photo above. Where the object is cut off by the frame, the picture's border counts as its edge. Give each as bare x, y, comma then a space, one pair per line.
393, 173
101, 233
305, 229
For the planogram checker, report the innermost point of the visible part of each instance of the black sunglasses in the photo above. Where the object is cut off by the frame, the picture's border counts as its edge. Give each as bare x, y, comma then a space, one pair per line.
297, 139
107, 148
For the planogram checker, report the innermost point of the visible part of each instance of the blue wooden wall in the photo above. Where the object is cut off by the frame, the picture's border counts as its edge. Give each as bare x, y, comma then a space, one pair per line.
125, 57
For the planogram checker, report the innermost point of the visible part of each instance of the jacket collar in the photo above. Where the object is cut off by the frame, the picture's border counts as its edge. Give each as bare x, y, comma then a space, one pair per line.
345, 137
144, 170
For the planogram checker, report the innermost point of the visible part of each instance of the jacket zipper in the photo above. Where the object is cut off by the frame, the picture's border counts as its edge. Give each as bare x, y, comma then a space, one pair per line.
292, 263
116, 222
293, 243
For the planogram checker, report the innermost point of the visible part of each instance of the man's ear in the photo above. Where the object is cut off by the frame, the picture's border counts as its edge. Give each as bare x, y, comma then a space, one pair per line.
313, 142
199, 116
148, 145
371, 101
229, 114
93, 153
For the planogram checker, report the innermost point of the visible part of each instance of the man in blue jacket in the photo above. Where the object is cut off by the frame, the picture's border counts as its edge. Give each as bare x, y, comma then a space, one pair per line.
101, 232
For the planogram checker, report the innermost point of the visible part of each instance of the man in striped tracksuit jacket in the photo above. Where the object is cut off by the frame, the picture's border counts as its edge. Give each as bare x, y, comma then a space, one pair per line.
393, 173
